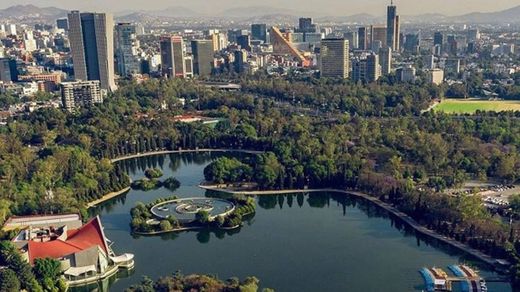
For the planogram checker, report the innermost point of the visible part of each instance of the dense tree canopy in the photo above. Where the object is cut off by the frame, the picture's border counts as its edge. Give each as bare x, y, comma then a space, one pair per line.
315, 133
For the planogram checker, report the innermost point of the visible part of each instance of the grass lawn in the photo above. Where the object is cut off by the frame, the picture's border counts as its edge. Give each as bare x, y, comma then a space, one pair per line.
470, 106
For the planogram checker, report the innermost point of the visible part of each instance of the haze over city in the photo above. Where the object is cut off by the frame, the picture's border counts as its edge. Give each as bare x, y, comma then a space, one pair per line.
326, 7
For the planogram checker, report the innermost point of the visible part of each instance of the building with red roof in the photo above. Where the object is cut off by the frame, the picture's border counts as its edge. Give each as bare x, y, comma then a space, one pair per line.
84, 252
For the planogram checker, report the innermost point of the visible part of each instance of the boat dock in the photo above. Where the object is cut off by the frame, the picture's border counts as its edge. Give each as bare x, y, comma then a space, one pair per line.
437, 279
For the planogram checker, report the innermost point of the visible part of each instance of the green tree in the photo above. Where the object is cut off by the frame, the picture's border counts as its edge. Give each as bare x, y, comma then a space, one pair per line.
165, 225
9, 281
202, 217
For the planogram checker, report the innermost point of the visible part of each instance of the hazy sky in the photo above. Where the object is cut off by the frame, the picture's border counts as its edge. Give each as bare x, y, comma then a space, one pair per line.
332, 7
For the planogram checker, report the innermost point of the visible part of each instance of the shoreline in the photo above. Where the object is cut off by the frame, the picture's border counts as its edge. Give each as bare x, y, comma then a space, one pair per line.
162, 152
392, 210
389, 208
107, 197
112, 195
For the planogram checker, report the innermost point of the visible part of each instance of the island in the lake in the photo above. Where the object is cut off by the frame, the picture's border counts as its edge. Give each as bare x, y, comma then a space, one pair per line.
173, 214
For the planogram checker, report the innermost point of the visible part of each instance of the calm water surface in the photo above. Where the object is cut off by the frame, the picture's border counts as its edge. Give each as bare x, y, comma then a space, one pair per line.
317, 242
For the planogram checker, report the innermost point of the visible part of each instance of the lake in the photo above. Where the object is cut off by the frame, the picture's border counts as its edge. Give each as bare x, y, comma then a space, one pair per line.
300, 242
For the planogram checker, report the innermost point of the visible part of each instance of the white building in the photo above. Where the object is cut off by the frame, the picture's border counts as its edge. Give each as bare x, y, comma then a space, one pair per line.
408, 74
80, 94
435, 76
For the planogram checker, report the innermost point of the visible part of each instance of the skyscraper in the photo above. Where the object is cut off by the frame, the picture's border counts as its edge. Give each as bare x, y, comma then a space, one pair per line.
244, 41
366, 69
385, 60
259, 32
334, 56
352, 38
240, 61
377, 33
172, 56
373, 68
428, 61
92, 44
438, 40
363, 38
392, 27
203, 52
305, 25
126, 49
412, 42
407, 74
62, 23
8, 70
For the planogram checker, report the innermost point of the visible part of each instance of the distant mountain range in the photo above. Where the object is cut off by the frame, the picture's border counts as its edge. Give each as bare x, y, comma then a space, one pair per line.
267, 14
25, 11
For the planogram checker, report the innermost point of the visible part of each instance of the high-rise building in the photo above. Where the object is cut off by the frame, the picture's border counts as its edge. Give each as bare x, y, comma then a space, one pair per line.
244, 41
126, 49
428, 62
412, 43
452, 45
438, 39
188, 64
373, 68
29, 42
233, 34
92, 44
62, 23
259, 32
312, 37
297, 37
80, 94
219, 40
363, 38
385, 60
282, 46
392, 27
366, 69
10, 29
240, 61
172, 56
377, 33
8, 70
473, 34
203, 53
435, 76
305, 25
452, 66
334, 56
407, 74
352, 38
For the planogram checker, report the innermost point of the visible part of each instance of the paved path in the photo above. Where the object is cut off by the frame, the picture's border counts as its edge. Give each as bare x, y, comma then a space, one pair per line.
107, 197
182, 151
409, 220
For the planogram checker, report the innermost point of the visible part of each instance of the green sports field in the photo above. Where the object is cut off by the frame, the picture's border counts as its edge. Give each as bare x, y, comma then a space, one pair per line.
470, 106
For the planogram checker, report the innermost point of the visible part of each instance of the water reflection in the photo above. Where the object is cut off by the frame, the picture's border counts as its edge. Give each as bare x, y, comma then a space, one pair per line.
105, 284
328, 235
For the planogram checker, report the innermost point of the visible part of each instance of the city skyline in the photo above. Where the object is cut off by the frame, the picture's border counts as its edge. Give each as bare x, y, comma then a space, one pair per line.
326, 7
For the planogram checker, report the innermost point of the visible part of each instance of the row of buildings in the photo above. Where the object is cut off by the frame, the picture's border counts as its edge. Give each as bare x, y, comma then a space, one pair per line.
85, 53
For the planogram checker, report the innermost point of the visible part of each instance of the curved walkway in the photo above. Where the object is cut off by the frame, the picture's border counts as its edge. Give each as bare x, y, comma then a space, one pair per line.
107, 197
144, 154
391, 209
